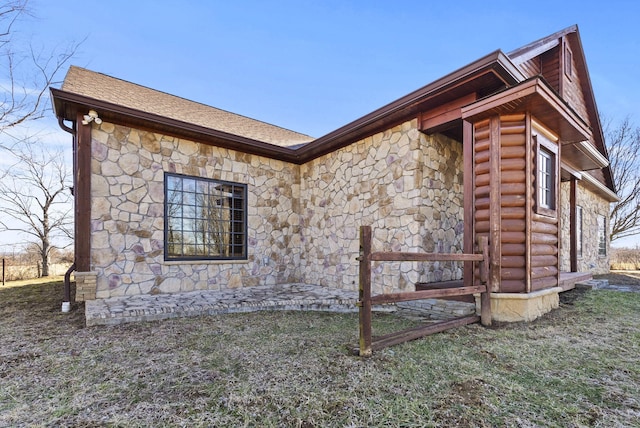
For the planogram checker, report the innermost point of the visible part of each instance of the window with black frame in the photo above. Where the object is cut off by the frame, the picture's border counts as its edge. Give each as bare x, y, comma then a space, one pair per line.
205, 219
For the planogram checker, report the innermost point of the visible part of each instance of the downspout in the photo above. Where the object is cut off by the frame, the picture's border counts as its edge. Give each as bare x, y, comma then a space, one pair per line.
66, 300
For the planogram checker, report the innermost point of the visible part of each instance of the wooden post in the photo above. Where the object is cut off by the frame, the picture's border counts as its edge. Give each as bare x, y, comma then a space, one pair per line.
495, 214
468, 200
485, 298
365, 291
3, 267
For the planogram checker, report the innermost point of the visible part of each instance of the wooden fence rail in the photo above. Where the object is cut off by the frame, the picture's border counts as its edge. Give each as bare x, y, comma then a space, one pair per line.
366, 300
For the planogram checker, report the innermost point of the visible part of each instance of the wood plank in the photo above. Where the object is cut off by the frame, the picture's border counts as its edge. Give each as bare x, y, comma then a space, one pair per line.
512, 201
513, 250
425, 294
485, 300
495, 240
513, 237
528, 208
513, 225
537, 261
420, 331
539, 227
513, 274
513, 261
512, 213
543, 250
469, 182
517, 189
544, 238
445, 113
82, 196
512, 164
424, 257
365, 291
516, 152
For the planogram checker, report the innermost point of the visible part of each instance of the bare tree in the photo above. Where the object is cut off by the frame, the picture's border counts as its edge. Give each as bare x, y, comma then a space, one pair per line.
35, 198
623, 144
26, 72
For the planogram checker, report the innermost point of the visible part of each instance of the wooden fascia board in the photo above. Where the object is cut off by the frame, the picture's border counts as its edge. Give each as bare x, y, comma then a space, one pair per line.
523, 51
521, 94
600, 188
534, 51
497, 63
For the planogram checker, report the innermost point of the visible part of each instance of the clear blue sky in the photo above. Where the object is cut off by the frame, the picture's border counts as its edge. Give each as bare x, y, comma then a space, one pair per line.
313, 66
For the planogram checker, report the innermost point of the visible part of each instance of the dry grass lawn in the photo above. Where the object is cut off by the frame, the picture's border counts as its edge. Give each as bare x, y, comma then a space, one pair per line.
577, 366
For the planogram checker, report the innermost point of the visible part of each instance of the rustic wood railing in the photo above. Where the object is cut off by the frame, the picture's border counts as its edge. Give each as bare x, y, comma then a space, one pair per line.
366, 300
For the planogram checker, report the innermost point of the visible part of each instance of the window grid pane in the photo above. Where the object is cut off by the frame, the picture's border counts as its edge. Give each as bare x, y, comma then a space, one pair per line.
545, 177
204, 218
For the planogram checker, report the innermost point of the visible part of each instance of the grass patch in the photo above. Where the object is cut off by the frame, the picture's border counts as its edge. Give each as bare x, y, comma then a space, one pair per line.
574, 367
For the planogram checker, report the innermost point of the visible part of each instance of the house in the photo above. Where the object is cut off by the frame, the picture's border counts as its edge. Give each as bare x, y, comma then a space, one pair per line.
174, 196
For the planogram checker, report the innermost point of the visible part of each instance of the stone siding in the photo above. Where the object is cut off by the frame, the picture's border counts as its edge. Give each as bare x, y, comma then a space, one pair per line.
403, 183
303, 221
592, 206
127, 212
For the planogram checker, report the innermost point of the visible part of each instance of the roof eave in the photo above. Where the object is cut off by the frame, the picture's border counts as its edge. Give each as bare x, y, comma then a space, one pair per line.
496, 62
67, 104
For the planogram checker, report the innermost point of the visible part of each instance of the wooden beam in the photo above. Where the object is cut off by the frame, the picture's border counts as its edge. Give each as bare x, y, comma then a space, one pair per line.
495, 238
485, 298
365, 291
529, 194
82, 195
445, 113
468, 177
420, 331
426, 294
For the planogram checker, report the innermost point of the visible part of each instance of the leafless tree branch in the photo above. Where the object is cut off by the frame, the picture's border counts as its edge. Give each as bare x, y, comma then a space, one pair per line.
26, 72
35, 198
623, 145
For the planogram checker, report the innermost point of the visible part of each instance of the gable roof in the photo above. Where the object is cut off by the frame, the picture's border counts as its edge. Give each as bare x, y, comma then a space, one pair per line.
129, 104
109, 89
571, 34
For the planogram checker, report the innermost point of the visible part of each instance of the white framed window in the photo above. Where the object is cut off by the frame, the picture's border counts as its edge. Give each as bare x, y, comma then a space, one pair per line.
546, 186
579, 235
602, 235
546, 179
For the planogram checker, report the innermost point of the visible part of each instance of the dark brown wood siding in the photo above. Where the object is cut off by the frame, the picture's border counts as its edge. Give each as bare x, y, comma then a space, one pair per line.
571, 84
481, 161
531, 67
513, 194
550, 67
524, 244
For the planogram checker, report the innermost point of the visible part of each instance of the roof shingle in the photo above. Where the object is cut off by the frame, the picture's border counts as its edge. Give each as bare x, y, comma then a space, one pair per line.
120, 92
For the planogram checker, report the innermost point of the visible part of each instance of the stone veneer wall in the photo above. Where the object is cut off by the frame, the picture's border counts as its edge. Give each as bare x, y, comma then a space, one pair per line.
303, 221
406, 185
592, 206
127, 212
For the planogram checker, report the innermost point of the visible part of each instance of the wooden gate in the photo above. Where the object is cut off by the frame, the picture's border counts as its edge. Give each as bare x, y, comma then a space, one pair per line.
367, 300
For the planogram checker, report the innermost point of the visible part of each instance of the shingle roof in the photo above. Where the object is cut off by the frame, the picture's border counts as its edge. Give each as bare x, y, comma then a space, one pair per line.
120, 92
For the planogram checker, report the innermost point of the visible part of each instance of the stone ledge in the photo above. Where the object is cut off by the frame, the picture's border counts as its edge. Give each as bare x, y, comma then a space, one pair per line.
289, 297
514, 307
